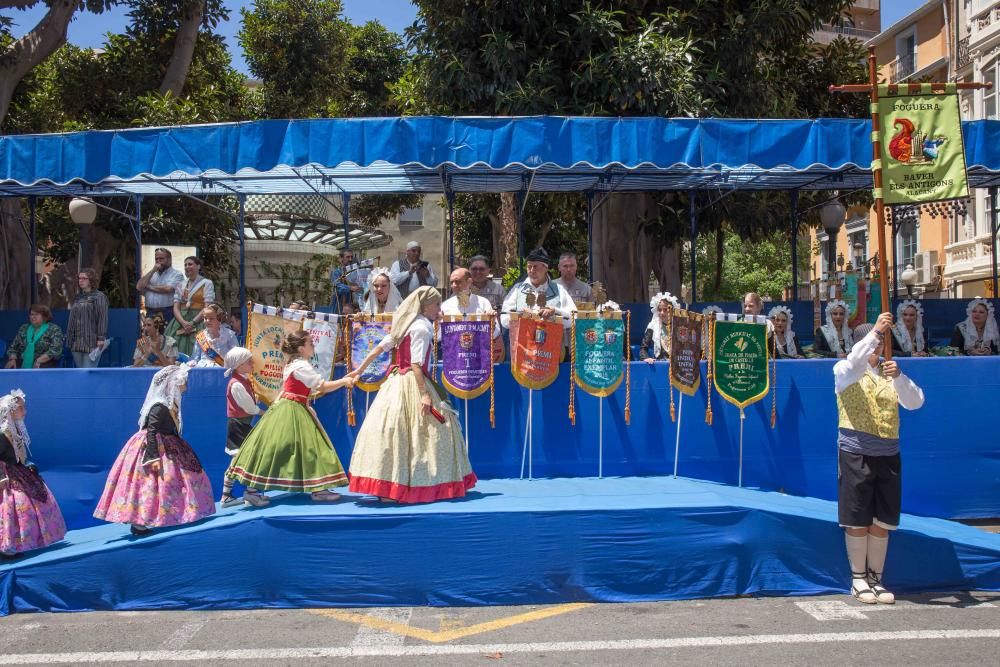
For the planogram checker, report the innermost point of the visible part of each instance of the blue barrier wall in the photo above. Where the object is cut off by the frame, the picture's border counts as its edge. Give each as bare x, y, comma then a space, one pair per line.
79, 419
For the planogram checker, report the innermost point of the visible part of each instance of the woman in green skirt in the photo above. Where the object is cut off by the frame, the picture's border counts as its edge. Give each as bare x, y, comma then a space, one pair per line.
288, 450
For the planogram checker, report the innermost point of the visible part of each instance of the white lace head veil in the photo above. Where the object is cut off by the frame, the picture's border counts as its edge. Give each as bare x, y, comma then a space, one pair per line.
789, 342
165, 389
845, 328
391, 302
903, 334
14, 429
968, 329
655, 324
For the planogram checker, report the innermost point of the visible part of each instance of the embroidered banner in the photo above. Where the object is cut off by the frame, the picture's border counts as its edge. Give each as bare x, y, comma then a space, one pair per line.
466, 355
598, 364
364, 337
535, 351
324, 334
739, 362
685, 351
266, 330
923, 156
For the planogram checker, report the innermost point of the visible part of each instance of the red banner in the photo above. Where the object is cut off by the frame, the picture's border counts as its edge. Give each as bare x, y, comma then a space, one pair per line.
535, 351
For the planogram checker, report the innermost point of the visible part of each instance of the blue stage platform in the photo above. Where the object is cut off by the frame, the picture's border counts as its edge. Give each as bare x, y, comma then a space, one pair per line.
510, 542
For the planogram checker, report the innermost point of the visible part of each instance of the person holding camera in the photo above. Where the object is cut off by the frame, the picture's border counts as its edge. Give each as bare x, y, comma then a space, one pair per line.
411, 272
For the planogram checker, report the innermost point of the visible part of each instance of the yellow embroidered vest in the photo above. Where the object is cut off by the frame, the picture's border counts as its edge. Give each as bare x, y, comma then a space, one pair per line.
871, 406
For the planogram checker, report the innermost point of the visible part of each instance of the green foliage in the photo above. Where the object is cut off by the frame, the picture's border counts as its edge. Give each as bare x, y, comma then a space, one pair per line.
309, 282
376, 58
297, 49
761, 265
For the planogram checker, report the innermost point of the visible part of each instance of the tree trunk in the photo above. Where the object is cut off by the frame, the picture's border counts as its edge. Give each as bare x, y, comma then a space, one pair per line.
505, 233
15, 251
24, 54
625, 255
96, 246
185, 40
720, 251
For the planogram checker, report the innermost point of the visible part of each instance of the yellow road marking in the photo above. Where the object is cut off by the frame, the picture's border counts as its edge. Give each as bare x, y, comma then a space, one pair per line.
452, 633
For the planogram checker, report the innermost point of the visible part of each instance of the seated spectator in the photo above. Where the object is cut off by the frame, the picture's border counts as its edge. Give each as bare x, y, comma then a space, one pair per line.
383, 296
784, 343
834, 339
213, 342
38, 344
977, 335
909, 339
154, 348
655, 343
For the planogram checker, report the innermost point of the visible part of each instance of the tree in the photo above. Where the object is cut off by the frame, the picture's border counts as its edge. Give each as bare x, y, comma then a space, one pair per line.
118, 87
627, 57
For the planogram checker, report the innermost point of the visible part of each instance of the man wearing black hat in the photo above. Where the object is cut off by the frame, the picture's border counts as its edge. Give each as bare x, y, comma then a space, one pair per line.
558, 302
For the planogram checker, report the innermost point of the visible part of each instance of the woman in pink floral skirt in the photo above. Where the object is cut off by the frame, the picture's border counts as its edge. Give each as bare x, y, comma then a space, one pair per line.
157, 480
29, 515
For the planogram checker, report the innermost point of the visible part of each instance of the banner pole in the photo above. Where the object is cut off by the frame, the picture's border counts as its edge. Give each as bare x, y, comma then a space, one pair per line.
531, 433
742, 418
467, 429
600, 438
527, 434
677, 441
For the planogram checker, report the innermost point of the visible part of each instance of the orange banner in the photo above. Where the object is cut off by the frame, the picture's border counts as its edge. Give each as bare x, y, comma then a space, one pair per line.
535, 351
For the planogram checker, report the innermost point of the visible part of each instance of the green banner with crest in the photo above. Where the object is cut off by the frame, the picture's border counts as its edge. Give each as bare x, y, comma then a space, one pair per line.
922, 156
739, 362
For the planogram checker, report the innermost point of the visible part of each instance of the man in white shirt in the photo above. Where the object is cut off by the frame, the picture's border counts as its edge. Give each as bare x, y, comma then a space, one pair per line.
461, 282
578, 291
411, 272
557, 301
159, 284
483, 285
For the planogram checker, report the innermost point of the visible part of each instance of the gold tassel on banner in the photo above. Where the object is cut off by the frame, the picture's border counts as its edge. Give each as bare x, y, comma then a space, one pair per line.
670, 366
711, 347
352, 419
572, 369
493, 412
774, 389
434, 351
628, 368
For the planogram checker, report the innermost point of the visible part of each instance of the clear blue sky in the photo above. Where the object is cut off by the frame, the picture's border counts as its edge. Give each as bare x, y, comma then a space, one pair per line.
88, 29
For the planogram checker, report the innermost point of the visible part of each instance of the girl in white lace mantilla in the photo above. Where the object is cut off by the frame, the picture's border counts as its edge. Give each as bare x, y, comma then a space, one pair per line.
977, 335
909, 339
654, 341
834, 338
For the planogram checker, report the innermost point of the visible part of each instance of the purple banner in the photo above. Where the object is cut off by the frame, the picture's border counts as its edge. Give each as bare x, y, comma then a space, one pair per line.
466, 357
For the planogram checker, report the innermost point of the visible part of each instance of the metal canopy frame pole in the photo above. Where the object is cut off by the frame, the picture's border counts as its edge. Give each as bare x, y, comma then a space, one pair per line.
590, 235
138, 249
693, 215
794, 196
993, 242
521, 196
242, 198
32, 260
345, 214
450, 196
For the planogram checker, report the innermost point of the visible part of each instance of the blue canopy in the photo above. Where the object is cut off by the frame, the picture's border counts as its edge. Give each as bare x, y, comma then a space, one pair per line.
436, 154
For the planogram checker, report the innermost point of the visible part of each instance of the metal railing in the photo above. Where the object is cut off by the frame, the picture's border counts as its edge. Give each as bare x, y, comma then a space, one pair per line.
850, 31
964, 57
902, 67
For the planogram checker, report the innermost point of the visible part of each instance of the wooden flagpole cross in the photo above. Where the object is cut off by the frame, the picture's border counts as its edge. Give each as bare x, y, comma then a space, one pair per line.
872, 89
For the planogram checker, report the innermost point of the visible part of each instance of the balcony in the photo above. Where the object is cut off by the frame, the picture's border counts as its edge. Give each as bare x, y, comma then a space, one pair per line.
902, 67
969, 259
964, 54
985, 21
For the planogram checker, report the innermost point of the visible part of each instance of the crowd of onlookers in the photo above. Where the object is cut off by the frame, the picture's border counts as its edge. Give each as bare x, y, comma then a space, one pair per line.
183, 322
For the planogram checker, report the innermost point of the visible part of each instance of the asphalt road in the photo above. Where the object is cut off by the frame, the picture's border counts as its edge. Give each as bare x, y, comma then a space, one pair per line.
940, 628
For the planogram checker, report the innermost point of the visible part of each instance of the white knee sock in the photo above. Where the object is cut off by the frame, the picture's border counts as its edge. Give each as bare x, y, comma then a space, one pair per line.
877, 547
857, 549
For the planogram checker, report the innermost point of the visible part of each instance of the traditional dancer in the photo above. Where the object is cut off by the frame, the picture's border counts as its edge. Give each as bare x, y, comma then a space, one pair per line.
868, 396
288, 450
410, 447
29, 515
241, 406
655, 344
157, 480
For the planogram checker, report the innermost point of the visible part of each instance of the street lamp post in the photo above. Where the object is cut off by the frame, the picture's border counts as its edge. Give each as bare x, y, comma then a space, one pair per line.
909, 278
832, 216
83, 212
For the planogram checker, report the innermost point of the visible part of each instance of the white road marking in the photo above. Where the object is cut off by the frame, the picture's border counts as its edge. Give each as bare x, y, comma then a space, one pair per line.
480, 649
372, 637
183, 635
841, 610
